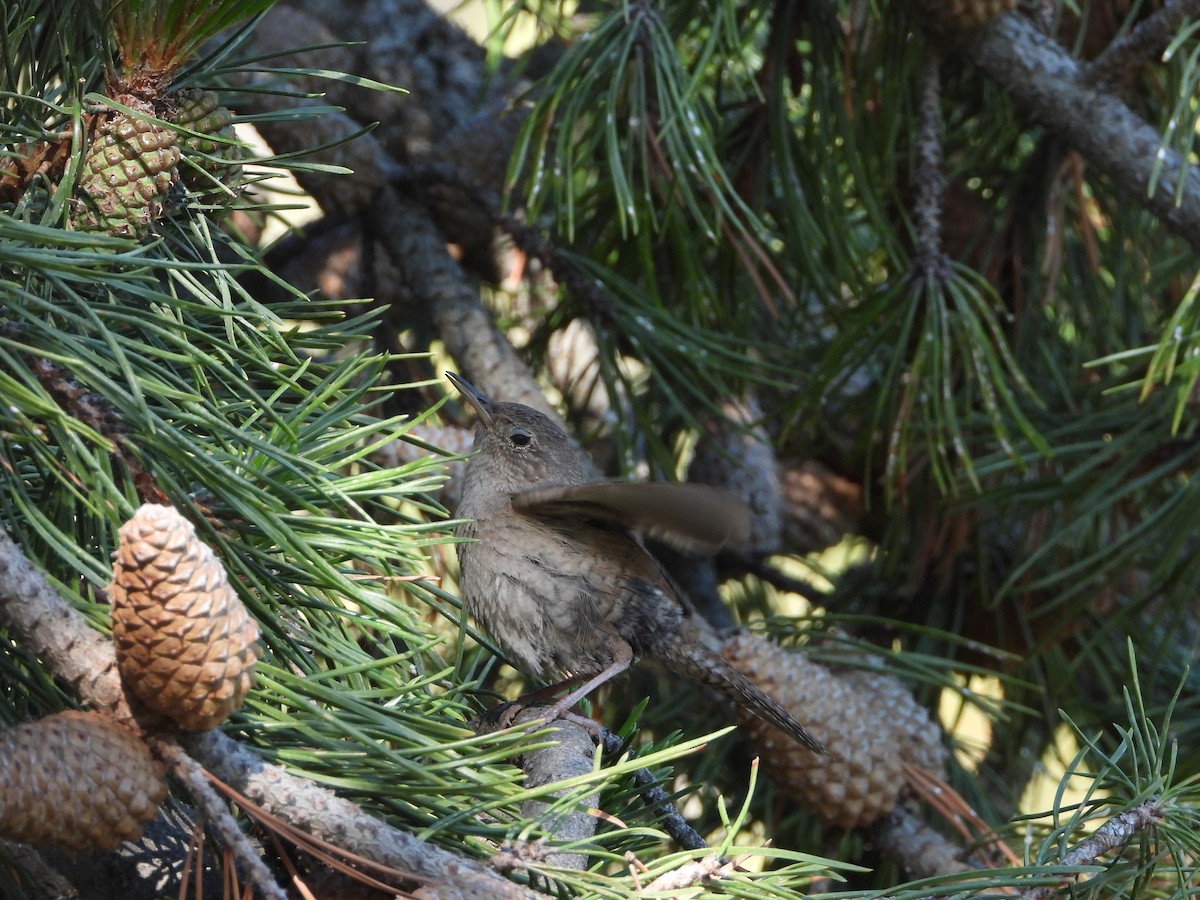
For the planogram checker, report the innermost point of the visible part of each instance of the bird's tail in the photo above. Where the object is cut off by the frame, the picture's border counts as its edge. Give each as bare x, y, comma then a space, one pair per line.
690, 656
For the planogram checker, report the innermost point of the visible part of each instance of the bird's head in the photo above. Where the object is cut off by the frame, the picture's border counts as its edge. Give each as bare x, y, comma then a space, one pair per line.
517, 447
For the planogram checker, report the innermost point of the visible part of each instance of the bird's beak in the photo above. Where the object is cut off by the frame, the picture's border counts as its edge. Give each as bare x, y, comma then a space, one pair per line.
480, 401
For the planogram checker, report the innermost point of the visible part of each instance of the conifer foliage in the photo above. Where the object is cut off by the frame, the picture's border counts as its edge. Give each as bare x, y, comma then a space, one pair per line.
917, 281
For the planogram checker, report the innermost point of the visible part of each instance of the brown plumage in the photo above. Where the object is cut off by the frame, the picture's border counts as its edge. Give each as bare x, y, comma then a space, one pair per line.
554, 574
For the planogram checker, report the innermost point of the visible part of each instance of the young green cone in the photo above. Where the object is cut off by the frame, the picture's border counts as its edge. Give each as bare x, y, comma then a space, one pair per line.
202, 112
129, 168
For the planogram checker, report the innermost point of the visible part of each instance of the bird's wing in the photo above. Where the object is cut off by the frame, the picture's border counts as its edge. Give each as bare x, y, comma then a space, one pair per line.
691, 517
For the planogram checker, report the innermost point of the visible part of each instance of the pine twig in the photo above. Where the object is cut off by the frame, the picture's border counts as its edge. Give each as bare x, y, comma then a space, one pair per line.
37, 616
655, 797
1039, 74
407, 232
1145, 41
568, 757
761, 568
1112, 835
407, 43
552, 768
531, 241
688, 875
98, 413
930, 179
923, 852
188, 771
321, 813
353, 866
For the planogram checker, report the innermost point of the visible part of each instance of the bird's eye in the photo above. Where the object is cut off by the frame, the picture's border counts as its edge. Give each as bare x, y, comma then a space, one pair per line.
520, 437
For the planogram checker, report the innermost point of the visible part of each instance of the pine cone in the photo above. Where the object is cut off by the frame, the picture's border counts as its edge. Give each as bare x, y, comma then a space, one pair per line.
128, 170
76, 780
916, 737
186, 647
868, 721
201, 111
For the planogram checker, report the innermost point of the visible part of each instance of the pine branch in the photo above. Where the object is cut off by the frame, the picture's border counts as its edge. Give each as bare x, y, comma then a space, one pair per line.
930, 178
570, 755
1058, 92
486, 200
701, 871
56, 633
407, 43
82, 657
469, 331
217, 814
655, 797
322, 814
343, 177
1112, 835
1146, 40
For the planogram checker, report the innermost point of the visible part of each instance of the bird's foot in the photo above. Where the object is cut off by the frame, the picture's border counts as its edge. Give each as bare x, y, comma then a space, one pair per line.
497, 718
588, 724
506, 714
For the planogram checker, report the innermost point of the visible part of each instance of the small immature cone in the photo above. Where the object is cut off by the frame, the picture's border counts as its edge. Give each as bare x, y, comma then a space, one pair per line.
868, 721
76, 780
202, 112
186, 647
127, 172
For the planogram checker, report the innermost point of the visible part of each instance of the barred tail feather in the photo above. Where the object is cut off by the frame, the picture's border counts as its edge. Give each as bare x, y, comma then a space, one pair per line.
688, 656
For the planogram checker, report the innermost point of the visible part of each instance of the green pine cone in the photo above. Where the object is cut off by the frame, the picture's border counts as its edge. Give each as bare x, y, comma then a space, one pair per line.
201, 111
129, 168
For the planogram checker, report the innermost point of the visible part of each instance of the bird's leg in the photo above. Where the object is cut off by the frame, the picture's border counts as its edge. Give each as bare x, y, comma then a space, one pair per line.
622, 658
505, 714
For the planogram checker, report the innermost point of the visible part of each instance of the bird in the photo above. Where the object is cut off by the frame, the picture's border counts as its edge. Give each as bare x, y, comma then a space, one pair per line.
552, 566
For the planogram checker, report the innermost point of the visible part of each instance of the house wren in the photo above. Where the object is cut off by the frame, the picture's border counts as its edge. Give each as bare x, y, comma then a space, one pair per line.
558, 579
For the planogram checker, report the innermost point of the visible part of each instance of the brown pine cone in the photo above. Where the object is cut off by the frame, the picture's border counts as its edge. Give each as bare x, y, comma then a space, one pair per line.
76, 780
868, 721
186, 647
917, 737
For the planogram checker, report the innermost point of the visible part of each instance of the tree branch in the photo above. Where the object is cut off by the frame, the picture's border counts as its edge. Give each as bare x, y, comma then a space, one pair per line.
1148, 39
75, 653
218, 815
405, 229
570, 756
1039, 74
930, 177
924, 852
1112, 835
654, 796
